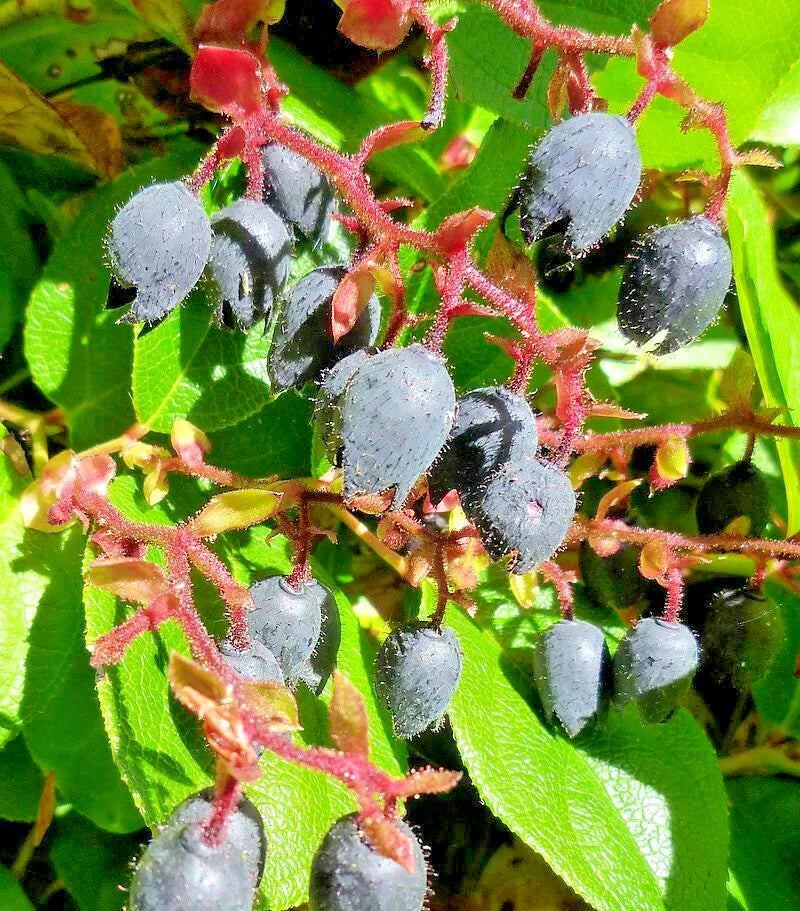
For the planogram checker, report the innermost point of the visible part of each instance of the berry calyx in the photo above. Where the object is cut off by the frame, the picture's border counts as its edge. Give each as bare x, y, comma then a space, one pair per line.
417, 670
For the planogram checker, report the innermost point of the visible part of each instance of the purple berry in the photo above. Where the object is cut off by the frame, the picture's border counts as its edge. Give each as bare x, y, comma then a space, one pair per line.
288, 621
570, 666
740, 492
244, 829
249, 262
675, 284
302, 346
256, 662
179, 870
318, 668
654, 667
327, 413
580, 178
158, 244
397, 410
417, 670
493, 426
348, 874
298, 191
526, 508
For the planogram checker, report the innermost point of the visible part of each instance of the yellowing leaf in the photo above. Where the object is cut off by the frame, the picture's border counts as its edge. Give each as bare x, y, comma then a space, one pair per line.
274, 703
235, 509
674, 20
672, 459
347, 717
133, 580
615, 497
736, 384
29, 121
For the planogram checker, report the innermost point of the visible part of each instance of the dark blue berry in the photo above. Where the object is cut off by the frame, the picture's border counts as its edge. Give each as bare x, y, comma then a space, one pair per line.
570, 665
580, 178
179, 870
256, 662
327, 411
525, 509
158, 244
348, 874
493, 426
743, 631
249, 262
397, 410
244, 828
298, 191
738, 492
654, 667
318, 668
675, 284
302, 346
417, 670
288, 621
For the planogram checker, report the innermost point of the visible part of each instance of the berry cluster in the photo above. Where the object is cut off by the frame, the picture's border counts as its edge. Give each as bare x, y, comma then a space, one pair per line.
405, 446
580, 180
162, 244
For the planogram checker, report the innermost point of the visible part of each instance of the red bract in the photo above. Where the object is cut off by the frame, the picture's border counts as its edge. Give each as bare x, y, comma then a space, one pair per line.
229, 21
227, 81
377, 24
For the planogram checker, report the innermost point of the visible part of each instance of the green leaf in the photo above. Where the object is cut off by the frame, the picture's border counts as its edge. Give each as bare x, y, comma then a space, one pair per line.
159, 747
765, 841
779, 121
174, 19
93, 865
488, 59
79, 356
276, 440
777, 694
771, 321
646, 799
51, 52
47, 684
21, 783
12, 896
738, 57
67, 735
20, 261
665, 783
187, 368
40, 579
